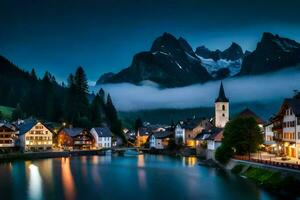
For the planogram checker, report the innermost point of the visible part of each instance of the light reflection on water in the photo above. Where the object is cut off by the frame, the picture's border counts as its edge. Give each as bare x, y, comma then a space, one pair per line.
67, 179
117, 177
35, 183
189, 161
141, 172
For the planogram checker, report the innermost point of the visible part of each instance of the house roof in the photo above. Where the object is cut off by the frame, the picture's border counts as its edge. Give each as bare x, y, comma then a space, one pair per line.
193, 123
9, 126
208, 134
143, 131
249, 113
222, 97
73, 131
217, 136
25, 127
162, 134
103, 131
294, 103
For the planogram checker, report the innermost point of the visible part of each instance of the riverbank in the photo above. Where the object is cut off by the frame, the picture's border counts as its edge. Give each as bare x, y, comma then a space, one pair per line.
281, 182
52, 154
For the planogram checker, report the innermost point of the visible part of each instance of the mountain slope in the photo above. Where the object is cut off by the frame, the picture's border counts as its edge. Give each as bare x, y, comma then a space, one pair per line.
171, 62
272, 53
221, 64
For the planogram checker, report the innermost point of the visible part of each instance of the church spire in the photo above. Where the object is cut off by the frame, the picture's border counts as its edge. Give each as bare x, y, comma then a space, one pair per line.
222, 97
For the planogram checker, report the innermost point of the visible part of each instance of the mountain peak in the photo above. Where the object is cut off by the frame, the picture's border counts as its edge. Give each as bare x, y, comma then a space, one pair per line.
272, 53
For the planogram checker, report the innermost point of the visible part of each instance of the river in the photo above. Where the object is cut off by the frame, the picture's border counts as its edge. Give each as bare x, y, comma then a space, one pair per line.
118, 177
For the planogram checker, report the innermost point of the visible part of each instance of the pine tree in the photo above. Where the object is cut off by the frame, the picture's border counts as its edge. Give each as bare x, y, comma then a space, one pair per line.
138, 124
81, 92
33, 74
112, 117
96, 111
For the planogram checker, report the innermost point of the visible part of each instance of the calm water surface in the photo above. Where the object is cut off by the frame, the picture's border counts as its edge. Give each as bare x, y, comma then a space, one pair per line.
116, 177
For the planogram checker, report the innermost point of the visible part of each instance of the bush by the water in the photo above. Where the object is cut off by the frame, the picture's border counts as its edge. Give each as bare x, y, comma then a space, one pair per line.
223, 154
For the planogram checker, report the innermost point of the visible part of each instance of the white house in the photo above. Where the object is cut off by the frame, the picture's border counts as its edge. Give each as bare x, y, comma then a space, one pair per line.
269, 142
160, 140
287, 127
103, 137
35, 136
214, 141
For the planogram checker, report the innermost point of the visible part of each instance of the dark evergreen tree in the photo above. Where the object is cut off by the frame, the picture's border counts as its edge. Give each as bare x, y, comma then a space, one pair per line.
81, 92
96, 111
33, 74
112, 118
138, 124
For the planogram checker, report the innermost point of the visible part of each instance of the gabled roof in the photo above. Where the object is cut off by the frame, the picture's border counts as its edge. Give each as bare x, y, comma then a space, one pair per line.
9, 126
294, 103
25, 127
162, 134
103, 131
216, 136
249, 113
222, 97
207, 134
72, 131
143, 131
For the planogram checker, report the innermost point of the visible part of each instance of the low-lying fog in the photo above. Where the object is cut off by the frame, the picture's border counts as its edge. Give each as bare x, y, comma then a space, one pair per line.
261, 89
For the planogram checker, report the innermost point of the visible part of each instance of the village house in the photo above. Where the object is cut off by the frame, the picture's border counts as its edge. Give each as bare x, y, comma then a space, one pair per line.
286, 127
8, 136
186, 131
102, 136
214, 141
269, 142
75, 138
35, 136
160, 140
142, 136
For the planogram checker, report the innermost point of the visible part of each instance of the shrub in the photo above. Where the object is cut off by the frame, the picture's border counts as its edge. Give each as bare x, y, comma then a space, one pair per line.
223, 154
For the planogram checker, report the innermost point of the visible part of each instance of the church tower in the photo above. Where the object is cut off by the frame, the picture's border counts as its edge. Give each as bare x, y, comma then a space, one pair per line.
221, 109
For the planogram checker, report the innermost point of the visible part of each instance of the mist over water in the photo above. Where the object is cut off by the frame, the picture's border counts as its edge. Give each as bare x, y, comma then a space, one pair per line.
260, 89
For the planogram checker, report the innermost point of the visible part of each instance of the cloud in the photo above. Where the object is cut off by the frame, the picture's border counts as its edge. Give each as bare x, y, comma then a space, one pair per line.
261, 89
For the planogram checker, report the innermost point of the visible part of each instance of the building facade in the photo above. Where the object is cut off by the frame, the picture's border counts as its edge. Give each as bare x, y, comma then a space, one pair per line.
75, 138
102, 136
35, 136
8, 136
221, 109
286, 128
160, 140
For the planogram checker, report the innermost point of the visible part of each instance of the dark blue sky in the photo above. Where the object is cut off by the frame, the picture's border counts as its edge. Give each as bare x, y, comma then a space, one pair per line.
103, 35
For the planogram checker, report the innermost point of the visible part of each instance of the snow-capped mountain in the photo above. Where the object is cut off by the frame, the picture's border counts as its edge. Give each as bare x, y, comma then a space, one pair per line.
172, 62
212, 66
221, 64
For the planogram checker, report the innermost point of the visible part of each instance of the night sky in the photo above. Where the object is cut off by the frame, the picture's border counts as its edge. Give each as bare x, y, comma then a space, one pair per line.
103, 35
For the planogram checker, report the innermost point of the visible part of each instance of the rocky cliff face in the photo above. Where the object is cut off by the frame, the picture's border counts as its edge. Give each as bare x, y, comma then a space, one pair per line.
171, 62
272, 53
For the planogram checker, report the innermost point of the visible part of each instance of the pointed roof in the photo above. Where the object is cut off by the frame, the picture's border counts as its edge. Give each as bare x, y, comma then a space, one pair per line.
249, 113
221, 97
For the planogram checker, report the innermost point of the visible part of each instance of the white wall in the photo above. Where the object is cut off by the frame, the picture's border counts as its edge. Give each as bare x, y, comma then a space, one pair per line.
221, 116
